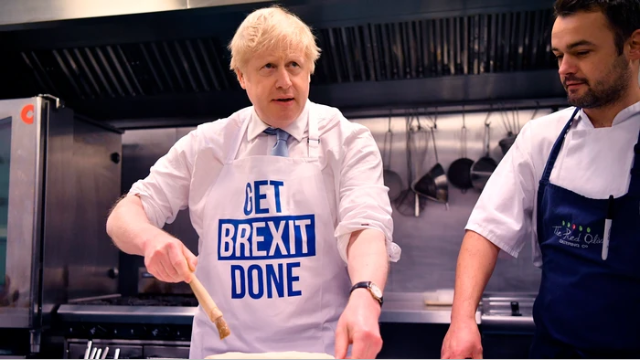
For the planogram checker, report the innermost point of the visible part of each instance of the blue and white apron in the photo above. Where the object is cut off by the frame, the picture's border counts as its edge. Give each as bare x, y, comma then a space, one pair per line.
269, 257
587, 306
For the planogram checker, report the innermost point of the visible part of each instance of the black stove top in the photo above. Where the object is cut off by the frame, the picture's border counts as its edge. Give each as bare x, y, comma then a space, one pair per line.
144, 300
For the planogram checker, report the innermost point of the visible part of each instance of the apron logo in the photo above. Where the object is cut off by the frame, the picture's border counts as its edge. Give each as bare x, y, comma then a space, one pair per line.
575, 235
272, 238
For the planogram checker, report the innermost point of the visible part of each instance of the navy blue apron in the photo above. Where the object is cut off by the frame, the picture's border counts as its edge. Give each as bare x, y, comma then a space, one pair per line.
586, 306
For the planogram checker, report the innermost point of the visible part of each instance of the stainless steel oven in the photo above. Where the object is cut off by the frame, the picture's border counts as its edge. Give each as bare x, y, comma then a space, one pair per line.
59, 175
20, 201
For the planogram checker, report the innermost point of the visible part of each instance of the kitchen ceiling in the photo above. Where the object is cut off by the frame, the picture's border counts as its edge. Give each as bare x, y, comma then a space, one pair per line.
175, 64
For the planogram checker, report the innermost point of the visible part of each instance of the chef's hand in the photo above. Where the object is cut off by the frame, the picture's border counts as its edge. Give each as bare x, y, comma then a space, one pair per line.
462, 341
168, 259
358, 325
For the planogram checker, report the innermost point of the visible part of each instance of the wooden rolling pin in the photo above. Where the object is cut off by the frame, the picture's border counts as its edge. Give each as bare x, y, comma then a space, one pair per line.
208, 304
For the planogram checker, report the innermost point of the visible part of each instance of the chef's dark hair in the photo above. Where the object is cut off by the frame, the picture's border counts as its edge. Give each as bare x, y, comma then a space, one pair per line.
623, 15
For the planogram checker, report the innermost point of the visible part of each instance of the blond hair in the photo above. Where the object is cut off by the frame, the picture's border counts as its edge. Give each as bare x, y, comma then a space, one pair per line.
269, 27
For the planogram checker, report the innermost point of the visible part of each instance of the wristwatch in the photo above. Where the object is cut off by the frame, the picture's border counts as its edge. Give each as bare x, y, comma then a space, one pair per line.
376, 292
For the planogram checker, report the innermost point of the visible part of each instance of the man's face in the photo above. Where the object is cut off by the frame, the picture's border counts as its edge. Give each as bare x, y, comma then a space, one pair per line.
591, 70
277, 83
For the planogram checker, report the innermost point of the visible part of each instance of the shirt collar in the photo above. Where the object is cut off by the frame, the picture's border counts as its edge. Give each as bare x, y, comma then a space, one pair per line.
629, 113
296, 129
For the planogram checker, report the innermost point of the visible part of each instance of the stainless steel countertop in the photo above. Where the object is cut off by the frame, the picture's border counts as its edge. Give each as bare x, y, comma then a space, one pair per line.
411, 308
398, 308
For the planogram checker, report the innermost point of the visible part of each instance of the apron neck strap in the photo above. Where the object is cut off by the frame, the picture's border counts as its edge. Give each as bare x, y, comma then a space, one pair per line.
634, 173
231, 156
313, 139
556, 149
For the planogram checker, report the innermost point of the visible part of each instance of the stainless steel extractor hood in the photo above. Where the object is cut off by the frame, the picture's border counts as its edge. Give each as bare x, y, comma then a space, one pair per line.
374, 54
15, 12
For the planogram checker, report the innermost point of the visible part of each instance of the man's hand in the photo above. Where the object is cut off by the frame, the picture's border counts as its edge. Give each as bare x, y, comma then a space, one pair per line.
167, 258
358, 325
462, 341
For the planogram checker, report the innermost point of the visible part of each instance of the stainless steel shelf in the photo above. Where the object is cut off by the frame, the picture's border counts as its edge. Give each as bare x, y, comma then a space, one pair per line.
398, 308
180, 315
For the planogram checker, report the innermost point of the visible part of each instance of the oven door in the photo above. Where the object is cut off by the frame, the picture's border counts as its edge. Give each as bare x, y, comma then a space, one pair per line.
21, 159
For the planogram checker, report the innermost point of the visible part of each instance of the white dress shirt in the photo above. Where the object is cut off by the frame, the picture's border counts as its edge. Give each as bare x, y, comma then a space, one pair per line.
349, 157
593, 162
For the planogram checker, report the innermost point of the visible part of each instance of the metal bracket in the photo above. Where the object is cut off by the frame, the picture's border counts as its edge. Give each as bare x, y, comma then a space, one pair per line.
59, 103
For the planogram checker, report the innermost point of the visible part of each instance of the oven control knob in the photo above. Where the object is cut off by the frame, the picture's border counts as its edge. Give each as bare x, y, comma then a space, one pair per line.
514, 305
112, 273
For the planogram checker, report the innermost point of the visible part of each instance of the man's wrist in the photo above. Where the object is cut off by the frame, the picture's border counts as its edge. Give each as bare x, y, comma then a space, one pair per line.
362, 298
463, 315
369, 287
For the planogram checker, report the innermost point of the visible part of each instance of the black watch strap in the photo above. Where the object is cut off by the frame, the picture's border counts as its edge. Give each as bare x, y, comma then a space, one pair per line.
366, 285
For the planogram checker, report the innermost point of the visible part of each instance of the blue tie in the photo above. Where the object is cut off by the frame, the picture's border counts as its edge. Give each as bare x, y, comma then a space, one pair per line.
280, 148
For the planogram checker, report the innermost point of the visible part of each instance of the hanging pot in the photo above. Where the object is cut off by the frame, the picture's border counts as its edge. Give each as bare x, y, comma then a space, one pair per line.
391, 178
459, 171
506, 143
485, 166
433, 185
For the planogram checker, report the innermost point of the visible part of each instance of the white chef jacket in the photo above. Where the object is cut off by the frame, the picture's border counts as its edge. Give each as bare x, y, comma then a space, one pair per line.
350, 159
593, 162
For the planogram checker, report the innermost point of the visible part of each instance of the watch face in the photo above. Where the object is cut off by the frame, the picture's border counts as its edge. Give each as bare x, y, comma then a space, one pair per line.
376, 291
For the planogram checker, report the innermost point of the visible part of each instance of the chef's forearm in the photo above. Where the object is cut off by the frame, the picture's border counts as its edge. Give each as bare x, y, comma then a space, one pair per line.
475, 265
367, 258
128, 225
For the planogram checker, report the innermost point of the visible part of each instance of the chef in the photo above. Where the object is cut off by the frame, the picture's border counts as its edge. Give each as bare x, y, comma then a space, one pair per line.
288, 201
569, 184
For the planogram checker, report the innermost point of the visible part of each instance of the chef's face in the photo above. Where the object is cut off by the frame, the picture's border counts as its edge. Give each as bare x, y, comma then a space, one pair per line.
277, 83
591, 69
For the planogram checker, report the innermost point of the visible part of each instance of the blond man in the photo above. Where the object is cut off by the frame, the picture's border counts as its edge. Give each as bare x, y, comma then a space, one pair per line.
287, 197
